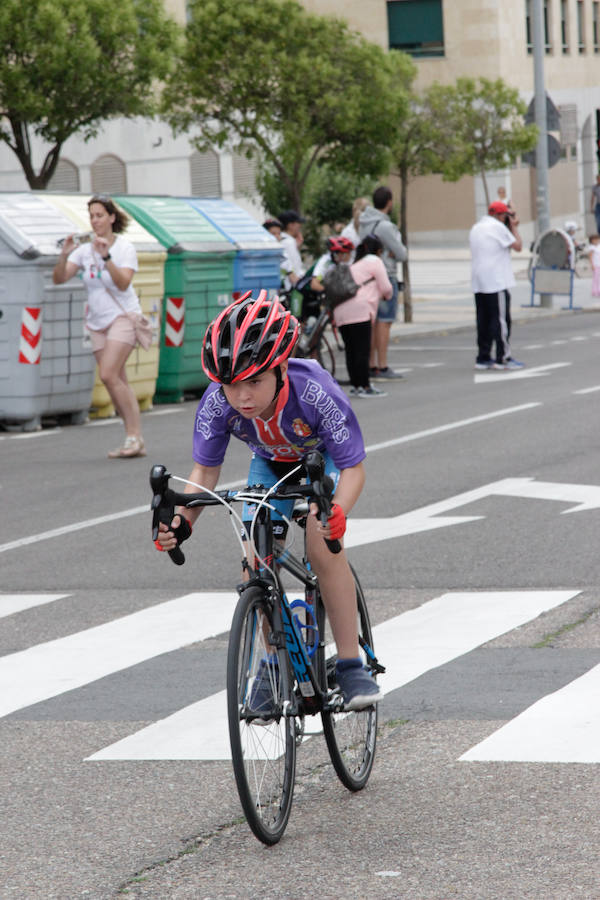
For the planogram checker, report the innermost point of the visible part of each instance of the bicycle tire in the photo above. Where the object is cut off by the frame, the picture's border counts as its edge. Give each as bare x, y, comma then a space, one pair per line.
324, 355
263, 752
583, 267
351, 737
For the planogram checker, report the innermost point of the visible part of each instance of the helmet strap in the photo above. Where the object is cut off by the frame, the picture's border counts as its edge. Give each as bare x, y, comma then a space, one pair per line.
279, 383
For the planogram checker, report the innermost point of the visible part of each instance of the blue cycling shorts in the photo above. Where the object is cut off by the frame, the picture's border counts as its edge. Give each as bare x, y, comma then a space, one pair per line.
261, 472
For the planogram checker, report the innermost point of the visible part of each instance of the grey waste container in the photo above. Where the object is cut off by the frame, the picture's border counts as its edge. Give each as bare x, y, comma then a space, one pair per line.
45, 369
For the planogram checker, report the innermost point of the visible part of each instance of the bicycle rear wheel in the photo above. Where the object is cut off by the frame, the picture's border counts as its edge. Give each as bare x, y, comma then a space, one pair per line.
324, 355
262, 737
351, 737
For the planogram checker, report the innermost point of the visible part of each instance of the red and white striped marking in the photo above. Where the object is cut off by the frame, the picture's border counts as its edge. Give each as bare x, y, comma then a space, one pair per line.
175, 322
30, 343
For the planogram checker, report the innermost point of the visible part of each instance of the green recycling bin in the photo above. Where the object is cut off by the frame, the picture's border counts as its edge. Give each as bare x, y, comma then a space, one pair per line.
198, 284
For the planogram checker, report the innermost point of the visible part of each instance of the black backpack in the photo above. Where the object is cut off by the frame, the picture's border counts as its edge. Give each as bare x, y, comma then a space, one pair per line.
340, 285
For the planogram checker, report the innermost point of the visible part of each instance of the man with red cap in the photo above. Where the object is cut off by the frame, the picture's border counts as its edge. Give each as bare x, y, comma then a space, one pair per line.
491, 240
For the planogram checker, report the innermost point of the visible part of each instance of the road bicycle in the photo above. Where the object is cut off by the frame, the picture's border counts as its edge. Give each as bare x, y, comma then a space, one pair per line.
281, 663
314, 342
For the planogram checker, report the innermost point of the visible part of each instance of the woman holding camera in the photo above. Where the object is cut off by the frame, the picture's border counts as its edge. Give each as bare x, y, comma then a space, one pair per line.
107, 264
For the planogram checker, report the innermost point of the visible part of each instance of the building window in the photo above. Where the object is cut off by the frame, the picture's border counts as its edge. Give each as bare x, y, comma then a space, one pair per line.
205, 174
547, 27
109, 175
65, 178
564, 26
568, 124
244, 176
596, 25
416, 26
580, 26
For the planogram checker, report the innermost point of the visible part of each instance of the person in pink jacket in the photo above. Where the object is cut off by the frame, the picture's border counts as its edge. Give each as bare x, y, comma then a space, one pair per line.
355, 317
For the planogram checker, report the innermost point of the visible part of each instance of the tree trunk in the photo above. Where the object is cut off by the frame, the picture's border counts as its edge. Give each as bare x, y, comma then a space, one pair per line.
37, 181
485, 189
407, 293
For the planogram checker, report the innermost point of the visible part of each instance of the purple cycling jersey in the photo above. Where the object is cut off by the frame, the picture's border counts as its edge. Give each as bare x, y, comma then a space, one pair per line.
312, 413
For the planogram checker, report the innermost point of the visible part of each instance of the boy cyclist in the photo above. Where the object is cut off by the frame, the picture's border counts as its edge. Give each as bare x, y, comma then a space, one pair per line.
282, 408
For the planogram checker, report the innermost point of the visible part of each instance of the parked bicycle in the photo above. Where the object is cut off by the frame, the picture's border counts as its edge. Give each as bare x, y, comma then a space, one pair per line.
314, 343
281, 661
319, 337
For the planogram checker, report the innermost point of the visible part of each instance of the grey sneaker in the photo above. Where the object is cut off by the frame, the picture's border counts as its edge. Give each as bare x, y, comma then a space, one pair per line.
386, 374
511, 363
372, 392
358, 687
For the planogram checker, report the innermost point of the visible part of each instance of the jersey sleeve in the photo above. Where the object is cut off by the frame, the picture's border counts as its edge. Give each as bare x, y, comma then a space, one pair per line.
211, 434
333, 419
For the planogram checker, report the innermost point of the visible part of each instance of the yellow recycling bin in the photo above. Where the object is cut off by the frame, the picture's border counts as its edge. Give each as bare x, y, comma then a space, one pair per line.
148, 282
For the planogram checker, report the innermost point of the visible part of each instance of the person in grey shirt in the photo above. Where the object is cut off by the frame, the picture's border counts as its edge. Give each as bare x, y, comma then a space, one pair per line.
595, 208
376, 220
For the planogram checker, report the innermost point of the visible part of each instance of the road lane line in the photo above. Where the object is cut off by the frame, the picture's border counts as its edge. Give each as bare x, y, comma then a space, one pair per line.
49, 669
451, 426
589, 390
372, 448
407, 645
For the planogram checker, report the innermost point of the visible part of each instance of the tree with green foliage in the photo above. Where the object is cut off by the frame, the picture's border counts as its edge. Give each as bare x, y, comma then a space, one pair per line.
67, 65
482, 127
328, 197
271, 80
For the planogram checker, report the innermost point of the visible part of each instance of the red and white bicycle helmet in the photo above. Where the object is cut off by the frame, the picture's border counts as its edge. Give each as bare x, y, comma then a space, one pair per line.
247, 338
339, 244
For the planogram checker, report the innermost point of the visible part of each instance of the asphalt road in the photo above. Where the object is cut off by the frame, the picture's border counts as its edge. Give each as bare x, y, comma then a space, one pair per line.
479, 559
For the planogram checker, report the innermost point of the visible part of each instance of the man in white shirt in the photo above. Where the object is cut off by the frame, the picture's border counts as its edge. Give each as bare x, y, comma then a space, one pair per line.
292, 266
491, 240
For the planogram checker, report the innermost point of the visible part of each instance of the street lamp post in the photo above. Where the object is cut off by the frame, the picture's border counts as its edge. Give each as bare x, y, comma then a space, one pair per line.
541, 153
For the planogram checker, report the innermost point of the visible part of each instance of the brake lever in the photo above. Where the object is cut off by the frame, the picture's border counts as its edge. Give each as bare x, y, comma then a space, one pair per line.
162, 511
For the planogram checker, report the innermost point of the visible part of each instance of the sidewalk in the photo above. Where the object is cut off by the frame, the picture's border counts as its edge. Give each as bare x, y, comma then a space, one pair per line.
443, 301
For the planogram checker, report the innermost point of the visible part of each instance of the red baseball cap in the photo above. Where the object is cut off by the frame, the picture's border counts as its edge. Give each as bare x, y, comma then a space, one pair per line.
496, 208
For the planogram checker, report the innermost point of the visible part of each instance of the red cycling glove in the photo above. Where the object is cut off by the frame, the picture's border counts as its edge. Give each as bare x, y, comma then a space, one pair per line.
182, 533
337, 522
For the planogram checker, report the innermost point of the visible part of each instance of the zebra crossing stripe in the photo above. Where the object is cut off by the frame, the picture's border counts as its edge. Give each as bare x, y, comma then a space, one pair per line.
408, 645
57, 666
562, 727
14, 603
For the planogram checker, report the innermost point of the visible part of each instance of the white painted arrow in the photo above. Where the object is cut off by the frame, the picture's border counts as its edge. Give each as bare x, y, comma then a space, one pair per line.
368, 531
511, 374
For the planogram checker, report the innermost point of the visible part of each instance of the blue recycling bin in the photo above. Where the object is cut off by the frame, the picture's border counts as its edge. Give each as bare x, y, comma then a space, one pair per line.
257, 263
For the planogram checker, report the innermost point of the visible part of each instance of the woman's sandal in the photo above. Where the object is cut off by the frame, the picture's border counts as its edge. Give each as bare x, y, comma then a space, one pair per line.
133, 446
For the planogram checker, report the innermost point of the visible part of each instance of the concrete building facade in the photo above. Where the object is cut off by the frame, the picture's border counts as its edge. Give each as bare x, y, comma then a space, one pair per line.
447, 39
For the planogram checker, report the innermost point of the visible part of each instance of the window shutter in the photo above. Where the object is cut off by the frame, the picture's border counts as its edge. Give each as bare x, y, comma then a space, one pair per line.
65, 178
244, 175
109, 175
205, 174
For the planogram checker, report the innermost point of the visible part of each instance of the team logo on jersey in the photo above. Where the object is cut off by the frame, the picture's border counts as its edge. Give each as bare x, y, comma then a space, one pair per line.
301, 428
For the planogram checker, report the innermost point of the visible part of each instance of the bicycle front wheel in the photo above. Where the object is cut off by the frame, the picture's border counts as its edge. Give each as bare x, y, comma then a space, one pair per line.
261, 733
351, 737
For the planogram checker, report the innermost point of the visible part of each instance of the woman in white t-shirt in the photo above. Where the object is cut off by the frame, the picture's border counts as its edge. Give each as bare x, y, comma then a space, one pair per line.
107, 265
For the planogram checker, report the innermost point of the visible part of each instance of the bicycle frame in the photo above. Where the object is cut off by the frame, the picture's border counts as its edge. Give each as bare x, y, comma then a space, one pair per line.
286, 633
